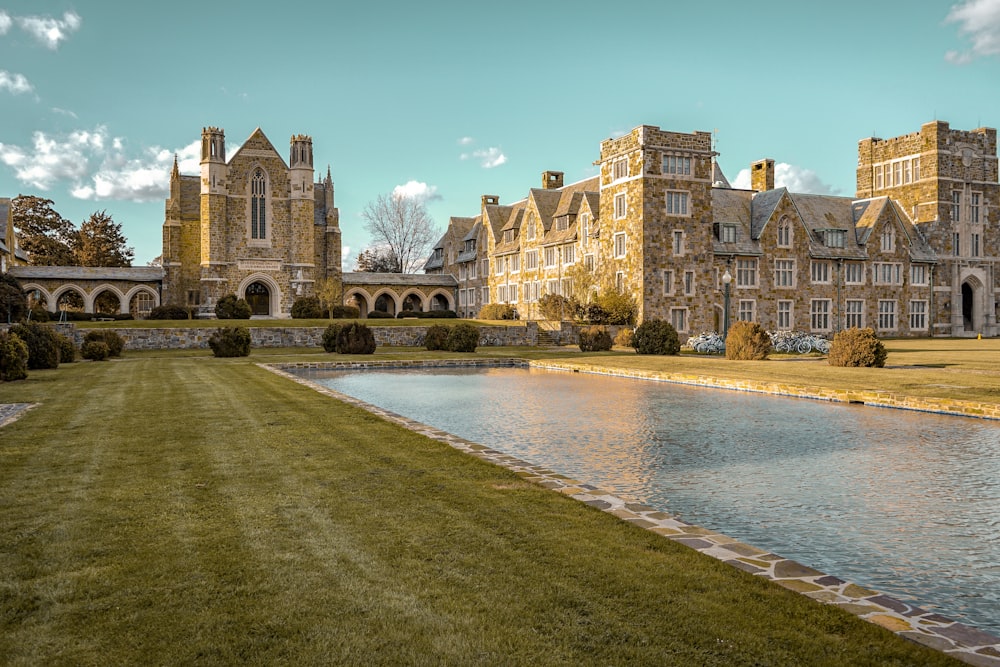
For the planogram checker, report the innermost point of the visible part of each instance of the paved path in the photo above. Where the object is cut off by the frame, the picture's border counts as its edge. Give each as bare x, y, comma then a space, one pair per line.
9, 412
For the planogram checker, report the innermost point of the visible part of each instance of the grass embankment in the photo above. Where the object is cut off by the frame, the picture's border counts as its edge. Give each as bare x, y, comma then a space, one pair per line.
176, 509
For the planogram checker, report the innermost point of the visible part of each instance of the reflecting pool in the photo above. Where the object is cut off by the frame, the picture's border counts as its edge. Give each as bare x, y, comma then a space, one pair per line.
907, 503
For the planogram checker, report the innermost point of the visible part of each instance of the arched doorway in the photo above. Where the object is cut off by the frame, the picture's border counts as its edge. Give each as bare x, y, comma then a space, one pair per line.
259, 298
439, 302
412, 303
385, 304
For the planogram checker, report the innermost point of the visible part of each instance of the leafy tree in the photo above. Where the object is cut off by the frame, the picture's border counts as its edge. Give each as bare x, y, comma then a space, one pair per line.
401, 225
100, 242
47, 237
13, 300
330, 292
377, 260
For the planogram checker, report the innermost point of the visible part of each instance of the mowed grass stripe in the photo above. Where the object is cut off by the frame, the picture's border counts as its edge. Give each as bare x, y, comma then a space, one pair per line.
189, 509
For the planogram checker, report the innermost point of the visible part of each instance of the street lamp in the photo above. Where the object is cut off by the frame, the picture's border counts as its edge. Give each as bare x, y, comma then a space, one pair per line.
726, 279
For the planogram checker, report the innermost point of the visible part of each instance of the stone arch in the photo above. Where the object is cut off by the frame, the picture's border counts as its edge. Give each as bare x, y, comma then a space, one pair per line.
971, 297
413, 297
274, 296
441, 299
360, 298
133, 295
49, 300
63, 290
386, 297
91, 303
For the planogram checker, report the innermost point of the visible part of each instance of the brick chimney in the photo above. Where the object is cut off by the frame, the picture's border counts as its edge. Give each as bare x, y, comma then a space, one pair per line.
762, 175
552, 180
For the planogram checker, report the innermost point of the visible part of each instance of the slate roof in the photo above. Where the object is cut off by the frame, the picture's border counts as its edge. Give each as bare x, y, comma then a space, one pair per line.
133, 273
734, 207
400, 279
473, 235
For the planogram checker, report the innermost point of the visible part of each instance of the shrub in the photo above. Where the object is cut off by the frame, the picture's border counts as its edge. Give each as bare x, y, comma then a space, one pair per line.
355, 338
345, 313
231, 308
42, 342
747, 341
556, 307
857, 347
620, 308
307, 308
230, 342
463, 337
430, 314
330, 337
13, 357
656, 337
624, 337
594, 339
497, 311
39, 314
437, 337
594, 314
169, 312
110, 338
67, 351
94, 350
380, 315
13, 300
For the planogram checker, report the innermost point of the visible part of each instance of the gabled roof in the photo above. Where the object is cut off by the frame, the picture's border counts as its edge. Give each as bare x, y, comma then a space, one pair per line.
733, 207
718, 178
825, 212
258, 141
473, 235
546, 203
763, 207
868, 212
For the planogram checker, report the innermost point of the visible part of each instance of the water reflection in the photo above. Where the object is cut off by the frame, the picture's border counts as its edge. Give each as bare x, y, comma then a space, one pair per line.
904, 502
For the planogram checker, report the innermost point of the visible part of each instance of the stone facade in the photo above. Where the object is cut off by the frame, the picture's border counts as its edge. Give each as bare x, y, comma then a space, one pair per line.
912, 255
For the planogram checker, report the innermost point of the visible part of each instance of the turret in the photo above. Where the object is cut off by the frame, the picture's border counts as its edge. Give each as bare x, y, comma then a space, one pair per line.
213, 161
300, 162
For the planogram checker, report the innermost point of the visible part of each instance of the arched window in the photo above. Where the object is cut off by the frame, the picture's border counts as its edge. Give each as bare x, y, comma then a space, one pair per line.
258, 205
888, 239
784, 233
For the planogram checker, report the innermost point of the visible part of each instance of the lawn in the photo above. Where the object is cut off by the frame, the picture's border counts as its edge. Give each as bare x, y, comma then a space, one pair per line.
175, 508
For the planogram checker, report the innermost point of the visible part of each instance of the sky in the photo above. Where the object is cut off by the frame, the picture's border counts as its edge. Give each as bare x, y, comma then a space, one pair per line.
447, 100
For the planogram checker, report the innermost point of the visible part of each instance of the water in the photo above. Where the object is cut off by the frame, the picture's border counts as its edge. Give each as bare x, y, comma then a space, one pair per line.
903, 502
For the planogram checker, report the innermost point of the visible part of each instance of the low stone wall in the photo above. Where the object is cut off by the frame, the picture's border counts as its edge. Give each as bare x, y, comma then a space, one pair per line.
197, 337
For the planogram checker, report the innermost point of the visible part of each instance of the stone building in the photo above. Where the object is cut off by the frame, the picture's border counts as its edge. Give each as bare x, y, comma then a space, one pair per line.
913, 254
10, 254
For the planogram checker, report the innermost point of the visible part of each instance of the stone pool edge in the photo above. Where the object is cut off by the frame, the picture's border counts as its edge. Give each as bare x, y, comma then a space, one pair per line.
963, 642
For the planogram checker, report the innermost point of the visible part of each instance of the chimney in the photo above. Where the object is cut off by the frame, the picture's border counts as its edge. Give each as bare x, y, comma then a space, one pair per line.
490, 200
552, 180
762, 175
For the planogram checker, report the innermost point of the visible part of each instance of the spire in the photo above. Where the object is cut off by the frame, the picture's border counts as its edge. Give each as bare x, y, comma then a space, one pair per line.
175, 172
328, 179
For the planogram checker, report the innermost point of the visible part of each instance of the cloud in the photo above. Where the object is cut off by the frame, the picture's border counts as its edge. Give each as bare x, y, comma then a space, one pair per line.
487, 157
466, 141
64, 112
15, 83
50, 31
979, 22
5, 22
416, 190
796, 179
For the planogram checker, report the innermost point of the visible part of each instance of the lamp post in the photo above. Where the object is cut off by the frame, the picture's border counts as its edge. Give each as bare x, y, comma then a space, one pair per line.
726, 279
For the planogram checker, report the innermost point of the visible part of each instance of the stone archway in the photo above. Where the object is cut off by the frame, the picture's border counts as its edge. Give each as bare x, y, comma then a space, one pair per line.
385, 303
968, 307
258, 295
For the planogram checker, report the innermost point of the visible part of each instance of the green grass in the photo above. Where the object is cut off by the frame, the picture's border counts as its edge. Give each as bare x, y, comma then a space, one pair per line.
173, 508
287, 323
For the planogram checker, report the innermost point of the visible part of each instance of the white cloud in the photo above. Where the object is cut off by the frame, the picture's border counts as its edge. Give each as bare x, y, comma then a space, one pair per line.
489, 157
416, 190
465, 141
64, 112
15, 83
5, 22
50, 31
979, 22
796, 179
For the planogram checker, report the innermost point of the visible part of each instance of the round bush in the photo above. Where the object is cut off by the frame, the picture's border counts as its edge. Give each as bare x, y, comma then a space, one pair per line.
437, 337
42, 342
463, 337
380, 315
110, 338
307, 308
169, 312
858, 348
13, 357
594, 339
230, 342
95, 350
355, 338
67, 351
656, 337
620, 308
747, 341
330, 335
231, 308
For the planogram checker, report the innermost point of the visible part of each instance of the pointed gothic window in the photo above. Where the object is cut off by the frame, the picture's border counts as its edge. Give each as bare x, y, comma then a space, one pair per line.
258, 210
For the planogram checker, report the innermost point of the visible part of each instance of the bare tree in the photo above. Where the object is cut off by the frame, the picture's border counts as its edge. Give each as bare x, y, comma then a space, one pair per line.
401, 225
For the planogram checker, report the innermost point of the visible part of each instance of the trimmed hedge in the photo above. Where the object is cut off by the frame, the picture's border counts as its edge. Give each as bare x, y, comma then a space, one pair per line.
94, 350
463, 337
170, 311
355, 338
656, 337
380, 315
430, 314
345, 313
230, 342
497, 311
595, 339
43, 344
747, 341
859, 348
13, 357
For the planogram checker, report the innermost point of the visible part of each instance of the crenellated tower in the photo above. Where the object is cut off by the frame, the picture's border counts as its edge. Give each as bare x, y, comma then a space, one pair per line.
214, 192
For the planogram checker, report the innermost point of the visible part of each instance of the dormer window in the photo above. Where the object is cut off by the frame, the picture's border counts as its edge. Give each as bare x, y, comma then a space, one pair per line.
835, 238
727, 233
508, 236
562, 223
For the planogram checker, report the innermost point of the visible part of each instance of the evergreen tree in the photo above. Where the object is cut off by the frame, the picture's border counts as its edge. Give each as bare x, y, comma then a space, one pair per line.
100, 242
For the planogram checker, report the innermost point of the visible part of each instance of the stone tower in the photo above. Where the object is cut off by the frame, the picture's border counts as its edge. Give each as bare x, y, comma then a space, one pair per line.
214, 193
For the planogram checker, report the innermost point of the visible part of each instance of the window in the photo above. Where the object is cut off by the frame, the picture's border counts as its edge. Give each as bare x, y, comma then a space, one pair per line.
585, 228
512, 293
746, 310
461, 297
888, 239
974, 250
620, 282
529, 233
854, 273
956, 205
855, 310
502, 294
515, 263
678, 318
906, 171
784, 233
619, 168
974, 207
486, 269
461, 271
193, 297
501, 263
562, 223
746, 273
258, 205
678, 242
878, 177
897, 173
673, 164
956, 243
918, 315
567, 286
472, 270
620, 244
508, 236
569, 254
727, 233
668, 283
819, 314
550, 257
677, 203
916, 169
886, 314
886, 273
785, 315
552, 286
620, 206
530, 260
918, 274
819, 271
588, 262
688, 283
835, 238
784, 273
486, 295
